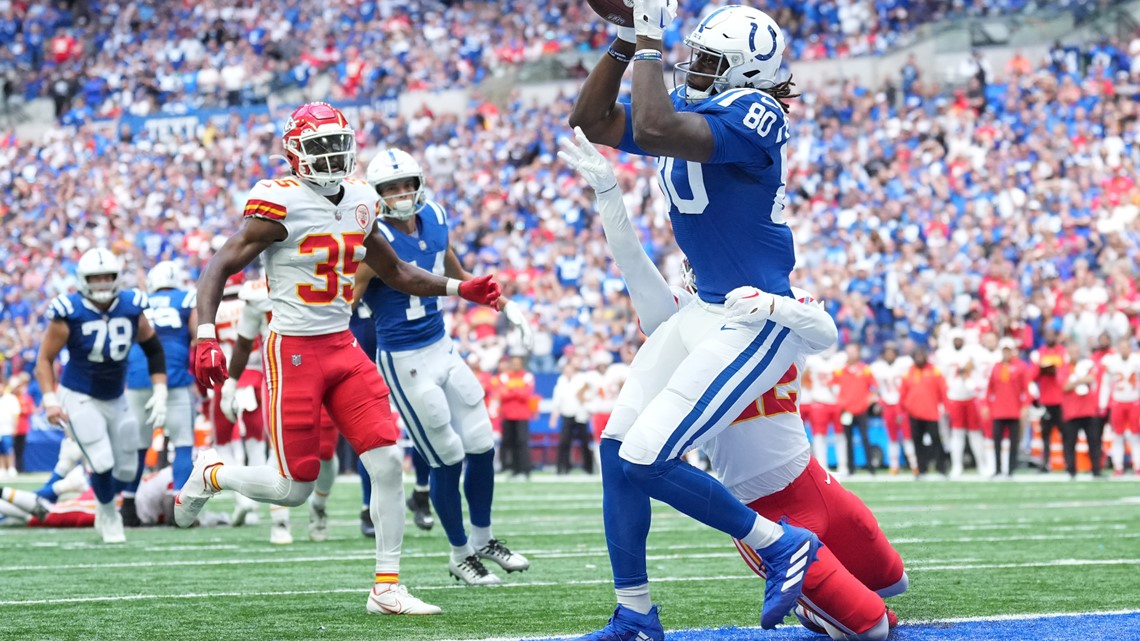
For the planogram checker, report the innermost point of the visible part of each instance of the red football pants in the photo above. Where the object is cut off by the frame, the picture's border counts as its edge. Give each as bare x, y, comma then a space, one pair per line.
896, 423
823, 416
226, 431
963, 415
856, 559
308, 373
1123, 417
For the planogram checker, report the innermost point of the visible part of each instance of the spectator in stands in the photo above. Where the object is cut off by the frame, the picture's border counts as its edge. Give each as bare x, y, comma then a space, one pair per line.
515, 391
9, 415
1048, 362
1008, 397
856, 394
923, 398
1081, 387
570, 412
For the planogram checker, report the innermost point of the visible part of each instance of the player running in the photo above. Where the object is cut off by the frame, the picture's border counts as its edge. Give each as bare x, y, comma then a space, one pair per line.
436, 393
721, 141
765, 458
171, 312
315, 228
98, 325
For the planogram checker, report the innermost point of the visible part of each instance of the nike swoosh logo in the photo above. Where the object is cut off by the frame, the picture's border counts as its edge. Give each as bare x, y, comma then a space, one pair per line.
724, 328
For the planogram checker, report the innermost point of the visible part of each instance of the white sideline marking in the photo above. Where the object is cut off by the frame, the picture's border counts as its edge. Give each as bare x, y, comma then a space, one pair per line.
743, 577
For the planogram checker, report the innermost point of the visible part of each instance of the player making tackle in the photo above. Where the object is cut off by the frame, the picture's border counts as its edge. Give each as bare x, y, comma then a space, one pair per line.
721, 141
314, 230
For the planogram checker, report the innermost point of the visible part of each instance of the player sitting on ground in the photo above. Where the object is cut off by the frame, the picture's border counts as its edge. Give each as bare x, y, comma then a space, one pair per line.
436, 393
315, 228
98, 325
764, 458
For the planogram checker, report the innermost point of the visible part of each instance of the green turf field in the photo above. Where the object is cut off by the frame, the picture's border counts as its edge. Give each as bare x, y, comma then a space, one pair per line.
971, 549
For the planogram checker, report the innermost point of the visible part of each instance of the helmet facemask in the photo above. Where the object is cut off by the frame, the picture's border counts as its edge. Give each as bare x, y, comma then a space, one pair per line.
324, 158
702, 58
404, 204
101, 291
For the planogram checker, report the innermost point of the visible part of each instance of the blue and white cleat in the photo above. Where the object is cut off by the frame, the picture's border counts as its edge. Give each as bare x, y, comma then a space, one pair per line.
786, 563
629, 625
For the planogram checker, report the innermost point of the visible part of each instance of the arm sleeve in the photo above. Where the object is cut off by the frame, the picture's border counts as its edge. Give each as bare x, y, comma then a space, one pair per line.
745, 124
651, 295
810, 322
155, 356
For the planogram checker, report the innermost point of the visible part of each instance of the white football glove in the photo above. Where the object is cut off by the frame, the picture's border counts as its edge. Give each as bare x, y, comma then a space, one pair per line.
228, 402
519, 321
580, 154
651, 17
748, 305
157, 406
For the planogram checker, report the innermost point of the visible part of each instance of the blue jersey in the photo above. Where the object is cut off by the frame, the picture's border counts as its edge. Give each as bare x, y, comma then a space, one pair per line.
728, 213
98, 341
169, 313
406, 322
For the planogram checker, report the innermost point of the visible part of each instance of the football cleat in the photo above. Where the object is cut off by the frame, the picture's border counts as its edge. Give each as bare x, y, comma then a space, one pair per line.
393, 598
244, 508
420, 505
197, 490
501, 554
280, 534
629, 625
367, 528
41, 509
113, 529
129, 513
472, 572
318, 524
786, 563
807, 620
892, 618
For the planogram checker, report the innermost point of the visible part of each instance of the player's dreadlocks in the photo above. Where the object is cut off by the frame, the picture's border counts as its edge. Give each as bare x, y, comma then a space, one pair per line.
782, 92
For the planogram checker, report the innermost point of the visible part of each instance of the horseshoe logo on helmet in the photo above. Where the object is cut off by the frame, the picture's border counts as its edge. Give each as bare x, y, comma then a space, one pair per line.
752, 42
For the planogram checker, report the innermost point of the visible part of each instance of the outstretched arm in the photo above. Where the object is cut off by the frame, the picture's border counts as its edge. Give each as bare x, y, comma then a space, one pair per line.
410, 279
252, 238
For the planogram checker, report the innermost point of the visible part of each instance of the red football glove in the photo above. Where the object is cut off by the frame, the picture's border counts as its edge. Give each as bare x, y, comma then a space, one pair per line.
210, 363
484, 290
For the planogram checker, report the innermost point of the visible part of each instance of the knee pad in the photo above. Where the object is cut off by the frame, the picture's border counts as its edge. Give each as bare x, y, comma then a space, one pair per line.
384, 466
306, 470
430, 425
295, 492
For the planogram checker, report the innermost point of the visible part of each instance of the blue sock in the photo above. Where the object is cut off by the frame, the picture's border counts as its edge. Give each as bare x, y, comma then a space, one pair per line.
626, 514
447, 502
133, 486
365, 483
46, 491
479, 486
103, 485
694, 493
183, 464
423, 470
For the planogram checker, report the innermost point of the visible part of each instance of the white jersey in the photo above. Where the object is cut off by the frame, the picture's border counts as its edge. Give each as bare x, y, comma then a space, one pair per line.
821, 369
226, 323
987, 360
889, 376
1122, 377
255, 315
959, 366
152, 493
310, 272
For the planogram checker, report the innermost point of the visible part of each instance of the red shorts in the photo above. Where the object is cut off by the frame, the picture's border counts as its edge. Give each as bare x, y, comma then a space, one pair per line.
308, 373
77, 517
254, 420
896, 423
1123, 417
600, 421
823, 416
856, 559
963, 414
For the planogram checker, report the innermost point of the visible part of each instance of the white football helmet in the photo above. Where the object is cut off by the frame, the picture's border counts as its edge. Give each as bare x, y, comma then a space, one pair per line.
748, 46
395, 164
165, 275
98, 261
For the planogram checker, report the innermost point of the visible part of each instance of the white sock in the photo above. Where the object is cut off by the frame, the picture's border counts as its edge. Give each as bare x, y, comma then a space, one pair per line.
763, 534
323, 486
978, 447
460, 552
635, 598
22, 499
893, 455
9, 510
385, 468
1134, 443
255, 452
279, 515
480, 536
819, 449
911, 457
957, 449
227, 453
841, 452
1116, 453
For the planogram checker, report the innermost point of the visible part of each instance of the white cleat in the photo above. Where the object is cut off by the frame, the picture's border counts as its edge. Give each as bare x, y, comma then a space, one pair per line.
280, 534
501, 554
197, 490
243, 511
318, 524
113, 529
472, 572
393, 598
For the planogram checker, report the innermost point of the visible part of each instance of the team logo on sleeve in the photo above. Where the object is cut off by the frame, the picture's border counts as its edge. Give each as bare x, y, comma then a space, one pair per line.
362, 216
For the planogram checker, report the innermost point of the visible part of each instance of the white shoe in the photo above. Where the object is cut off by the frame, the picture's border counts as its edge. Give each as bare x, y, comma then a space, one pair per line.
243, 509
393, 598
280, 534
197, 490
318, 524
113, 529
472, 572
501, 554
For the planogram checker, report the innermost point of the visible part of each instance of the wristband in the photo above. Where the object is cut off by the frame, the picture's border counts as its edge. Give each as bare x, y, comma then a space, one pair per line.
647, 54
619, 56
50, 400
206, 331
453, 286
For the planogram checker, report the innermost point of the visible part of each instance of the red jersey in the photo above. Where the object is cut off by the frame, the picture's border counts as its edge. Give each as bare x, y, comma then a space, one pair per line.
923, 391
515, 392
856, 383
1083, 400
1008, 390
1047, 364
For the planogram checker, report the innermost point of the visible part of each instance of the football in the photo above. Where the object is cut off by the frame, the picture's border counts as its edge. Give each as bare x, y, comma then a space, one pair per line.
619, 12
